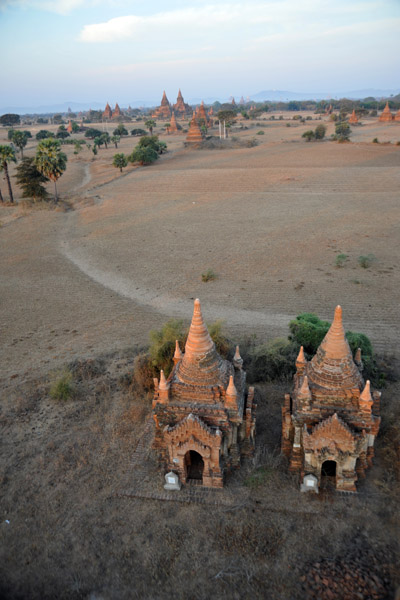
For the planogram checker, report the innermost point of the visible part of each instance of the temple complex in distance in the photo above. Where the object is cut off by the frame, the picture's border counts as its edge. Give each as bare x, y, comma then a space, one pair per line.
109, 114
204, 417
386, 115
331, 418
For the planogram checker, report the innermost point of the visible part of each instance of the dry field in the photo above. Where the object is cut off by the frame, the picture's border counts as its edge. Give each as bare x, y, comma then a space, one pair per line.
127, 255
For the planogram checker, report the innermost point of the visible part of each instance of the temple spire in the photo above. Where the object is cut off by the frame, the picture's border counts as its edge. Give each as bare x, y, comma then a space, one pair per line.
178, 354
163, 385
198, 342
334, 343
366, 393
304, 391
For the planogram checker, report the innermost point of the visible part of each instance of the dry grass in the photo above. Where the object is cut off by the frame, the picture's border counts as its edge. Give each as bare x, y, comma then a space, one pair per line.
69, 536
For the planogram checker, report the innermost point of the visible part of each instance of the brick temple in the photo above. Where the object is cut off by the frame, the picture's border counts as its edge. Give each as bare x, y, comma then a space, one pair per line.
181, 109
164, 110
107, 113
194, 135
201, 115
331, 418
173, 126
204, 417
386, 115
353, 120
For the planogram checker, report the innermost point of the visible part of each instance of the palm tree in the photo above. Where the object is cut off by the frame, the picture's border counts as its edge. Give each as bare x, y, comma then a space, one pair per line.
7, 155
120, 161
50, 161
115, 140
19, 139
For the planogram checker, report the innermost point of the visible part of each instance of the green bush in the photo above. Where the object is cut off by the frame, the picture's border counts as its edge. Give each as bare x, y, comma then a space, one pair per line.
340, 260
275, 360
309, 135
308, 331
162, 344
260, 132
375, 141
366, 261
320, 131
138, 132
209, 275
62, 387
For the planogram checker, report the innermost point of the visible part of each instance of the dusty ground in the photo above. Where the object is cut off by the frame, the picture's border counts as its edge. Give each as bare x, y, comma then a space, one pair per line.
270, 221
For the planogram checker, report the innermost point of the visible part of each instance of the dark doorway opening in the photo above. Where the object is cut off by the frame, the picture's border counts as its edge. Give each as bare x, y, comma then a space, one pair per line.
328, 468
194, 465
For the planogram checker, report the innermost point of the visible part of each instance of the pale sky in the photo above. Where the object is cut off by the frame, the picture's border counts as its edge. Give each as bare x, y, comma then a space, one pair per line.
120, 50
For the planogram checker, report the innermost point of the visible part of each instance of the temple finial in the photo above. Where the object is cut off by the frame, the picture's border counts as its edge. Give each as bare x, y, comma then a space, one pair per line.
163, 385
178, 354
231, 390
366, 393
198, 341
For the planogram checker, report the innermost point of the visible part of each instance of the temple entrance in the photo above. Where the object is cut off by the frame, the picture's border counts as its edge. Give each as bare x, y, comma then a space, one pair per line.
194, 466
328, 474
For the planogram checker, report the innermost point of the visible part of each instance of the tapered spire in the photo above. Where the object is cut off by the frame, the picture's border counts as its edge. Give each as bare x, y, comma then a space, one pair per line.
333, 365
163, 385
304, 393
201, 363
334, 343
178, 354
198, 342
366, 393
301, 360
237, 359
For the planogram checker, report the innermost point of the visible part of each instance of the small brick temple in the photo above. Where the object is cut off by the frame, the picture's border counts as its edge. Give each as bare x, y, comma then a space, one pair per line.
331, 418
204, 417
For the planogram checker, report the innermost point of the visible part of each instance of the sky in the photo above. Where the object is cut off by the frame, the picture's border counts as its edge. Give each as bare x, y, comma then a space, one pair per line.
123, 51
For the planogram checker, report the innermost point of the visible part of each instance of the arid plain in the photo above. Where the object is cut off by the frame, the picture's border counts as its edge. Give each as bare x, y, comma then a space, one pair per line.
83, 284
269, 220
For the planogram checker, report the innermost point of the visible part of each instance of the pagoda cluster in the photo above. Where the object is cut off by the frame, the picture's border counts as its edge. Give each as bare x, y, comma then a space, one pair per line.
109, 114
387, 117
205, 422
165, 111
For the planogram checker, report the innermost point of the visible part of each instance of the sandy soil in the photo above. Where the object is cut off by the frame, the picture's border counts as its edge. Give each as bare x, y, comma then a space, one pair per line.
269, 220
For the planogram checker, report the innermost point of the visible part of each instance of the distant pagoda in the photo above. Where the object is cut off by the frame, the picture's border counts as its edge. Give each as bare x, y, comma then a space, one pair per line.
397, 116
107, 113
194, 135
353, 120
116, 112
180, 108
173, 127
164, 110
386, 115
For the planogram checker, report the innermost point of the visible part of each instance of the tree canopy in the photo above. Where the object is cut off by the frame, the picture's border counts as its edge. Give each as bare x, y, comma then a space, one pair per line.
120, 161
50, 161
10, 119
30, 179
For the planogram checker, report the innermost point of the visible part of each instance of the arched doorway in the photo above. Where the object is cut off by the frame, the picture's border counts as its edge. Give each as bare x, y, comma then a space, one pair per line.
194, 466
328, 474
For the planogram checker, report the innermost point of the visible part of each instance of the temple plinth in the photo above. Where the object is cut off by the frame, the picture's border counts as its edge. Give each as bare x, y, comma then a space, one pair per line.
204, 416
331, 418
